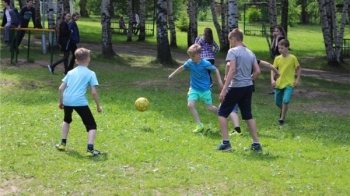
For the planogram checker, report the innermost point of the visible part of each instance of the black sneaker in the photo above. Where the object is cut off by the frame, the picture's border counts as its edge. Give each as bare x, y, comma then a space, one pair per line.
271, 93
224, 147
50, 69
256, 147
281, 122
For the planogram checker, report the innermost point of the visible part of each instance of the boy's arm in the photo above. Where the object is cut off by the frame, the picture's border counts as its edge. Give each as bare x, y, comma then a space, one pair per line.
60, 93
219, 78
227, 68
256, 71
95, 96
297, 81
230, 74
273, 81
270, 67
178, 70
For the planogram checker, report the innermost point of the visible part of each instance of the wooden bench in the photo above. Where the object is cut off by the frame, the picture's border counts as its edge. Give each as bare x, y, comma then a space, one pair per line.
115, 29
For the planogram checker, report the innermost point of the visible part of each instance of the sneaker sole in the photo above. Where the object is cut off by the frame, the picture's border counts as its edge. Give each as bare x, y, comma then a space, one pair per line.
50, 70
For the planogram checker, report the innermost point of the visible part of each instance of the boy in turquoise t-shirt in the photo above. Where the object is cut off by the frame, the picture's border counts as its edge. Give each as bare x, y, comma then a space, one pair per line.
72, 97
287, 64
199, 82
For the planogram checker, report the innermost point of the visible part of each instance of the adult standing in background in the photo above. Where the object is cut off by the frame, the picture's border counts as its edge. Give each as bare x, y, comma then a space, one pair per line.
74, 38
27, 12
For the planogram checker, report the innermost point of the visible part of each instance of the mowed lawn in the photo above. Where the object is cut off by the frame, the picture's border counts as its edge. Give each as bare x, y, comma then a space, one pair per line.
155, 152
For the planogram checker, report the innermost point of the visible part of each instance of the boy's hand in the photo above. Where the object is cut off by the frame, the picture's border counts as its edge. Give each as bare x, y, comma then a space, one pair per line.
273, 83
170, 77
61, 106
222, 96
296, 83
99, 109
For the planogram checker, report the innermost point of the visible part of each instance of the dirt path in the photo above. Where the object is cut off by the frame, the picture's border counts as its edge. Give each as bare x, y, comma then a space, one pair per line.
134, 49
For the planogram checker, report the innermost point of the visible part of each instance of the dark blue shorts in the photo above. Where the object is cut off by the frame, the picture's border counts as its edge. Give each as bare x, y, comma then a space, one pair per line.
238, 95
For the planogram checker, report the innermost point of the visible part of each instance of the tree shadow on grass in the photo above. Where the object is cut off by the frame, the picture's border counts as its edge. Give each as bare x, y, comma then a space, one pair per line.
77, 155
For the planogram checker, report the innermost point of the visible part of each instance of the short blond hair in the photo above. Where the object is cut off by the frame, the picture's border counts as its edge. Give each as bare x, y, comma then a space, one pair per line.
237, 34
82, 54
194, 49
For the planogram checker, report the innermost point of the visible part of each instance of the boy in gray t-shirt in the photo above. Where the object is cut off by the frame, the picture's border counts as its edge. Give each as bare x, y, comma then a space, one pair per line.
238, 89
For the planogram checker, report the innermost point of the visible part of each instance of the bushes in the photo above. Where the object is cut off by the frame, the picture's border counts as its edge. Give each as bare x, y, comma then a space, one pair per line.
183, 22
253, 15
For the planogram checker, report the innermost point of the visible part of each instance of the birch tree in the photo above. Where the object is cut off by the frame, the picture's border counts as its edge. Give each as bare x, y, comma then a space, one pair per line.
163, 47
142, 35
217, 25
171, 23
66, 6
107, 48
60, 10
272, 9
193, 27
129, 35
83, 10
284, 15
37, 19
232, 14
51, 22
331, 34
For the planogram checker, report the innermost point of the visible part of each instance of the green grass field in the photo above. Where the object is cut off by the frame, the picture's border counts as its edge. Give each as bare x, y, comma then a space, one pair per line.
155, 152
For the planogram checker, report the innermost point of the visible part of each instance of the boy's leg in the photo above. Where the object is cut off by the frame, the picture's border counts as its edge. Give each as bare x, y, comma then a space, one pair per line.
91, 136
67, 119
7, 33
288, 91
191, 107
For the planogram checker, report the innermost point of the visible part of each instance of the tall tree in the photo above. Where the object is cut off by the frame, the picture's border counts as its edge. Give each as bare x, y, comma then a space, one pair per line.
272, 9
60, 10
107, 48
129, 35
221, 35
171, 24
224, 25
51, 22
284, 15
331, 34
37, 19
163, 47
193, 26
232, 14
142, 35
66, 6
83, 11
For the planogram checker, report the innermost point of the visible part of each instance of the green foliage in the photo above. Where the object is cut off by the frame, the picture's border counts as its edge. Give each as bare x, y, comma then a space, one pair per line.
183, 22
253, 14
293, 13
203, 15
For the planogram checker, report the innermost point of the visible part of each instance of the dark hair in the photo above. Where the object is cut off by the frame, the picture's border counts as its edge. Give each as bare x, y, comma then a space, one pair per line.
284, 42
208, 35
280, 28
73, 15
29, 0
59, 23
7, 1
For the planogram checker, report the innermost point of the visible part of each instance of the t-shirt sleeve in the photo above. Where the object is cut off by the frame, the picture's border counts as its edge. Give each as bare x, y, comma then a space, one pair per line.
231, 56
93, 80
186, 65
296, 62
65, 79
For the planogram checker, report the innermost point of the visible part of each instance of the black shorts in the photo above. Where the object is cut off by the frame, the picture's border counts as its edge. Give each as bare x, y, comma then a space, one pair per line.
84, 113
237, 95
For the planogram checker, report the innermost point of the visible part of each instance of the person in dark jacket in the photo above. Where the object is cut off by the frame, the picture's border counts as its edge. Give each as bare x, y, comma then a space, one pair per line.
9, 19
27, 12
74, 38
63, 34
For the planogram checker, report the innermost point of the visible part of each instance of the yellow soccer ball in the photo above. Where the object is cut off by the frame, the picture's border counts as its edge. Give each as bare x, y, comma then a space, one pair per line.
141, 104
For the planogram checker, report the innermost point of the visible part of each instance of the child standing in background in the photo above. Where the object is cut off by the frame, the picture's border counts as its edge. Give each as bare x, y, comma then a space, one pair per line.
209, 47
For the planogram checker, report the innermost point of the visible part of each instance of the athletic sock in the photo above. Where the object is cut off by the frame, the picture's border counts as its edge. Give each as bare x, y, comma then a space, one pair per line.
90, 147
64, 141
238, 129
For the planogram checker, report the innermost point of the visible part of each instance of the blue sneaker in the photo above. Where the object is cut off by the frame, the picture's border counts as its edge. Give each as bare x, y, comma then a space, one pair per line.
224, 147
256, 147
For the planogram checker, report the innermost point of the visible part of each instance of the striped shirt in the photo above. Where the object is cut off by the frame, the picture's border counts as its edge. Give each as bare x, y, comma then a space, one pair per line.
208, 50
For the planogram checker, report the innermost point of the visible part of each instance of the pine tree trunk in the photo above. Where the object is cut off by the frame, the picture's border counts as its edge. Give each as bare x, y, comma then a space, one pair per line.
193, 27
163, 47
107, 48
142, 35
83, 11
37, 19
171, 23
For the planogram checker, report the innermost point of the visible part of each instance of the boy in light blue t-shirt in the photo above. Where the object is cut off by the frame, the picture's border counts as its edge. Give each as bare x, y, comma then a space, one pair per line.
199, 82
72, 97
